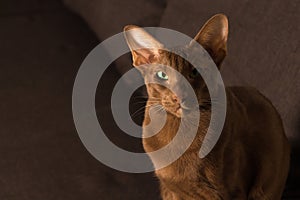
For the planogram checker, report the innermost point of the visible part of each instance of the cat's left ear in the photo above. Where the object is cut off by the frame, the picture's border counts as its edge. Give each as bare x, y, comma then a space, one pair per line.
213, 37
144, 48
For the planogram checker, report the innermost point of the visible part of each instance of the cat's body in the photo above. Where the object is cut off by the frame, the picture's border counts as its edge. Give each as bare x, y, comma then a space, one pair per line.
251, 158
249, 161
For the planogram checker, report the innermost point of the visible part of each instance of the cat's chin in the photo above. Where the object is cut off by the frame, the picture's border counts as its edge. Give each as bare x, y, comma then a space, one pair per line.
178, 113
181, 112
175, 112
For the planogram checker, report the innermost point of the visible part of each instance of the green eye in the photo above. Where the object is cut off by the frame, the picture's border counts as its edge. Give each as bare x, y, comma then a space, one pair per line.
194, 73
162, 75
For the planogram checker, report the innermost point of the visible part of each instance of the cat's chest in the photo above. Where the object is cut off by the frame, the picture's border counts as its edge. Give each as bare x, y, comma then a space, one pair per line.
191, 178
185, 169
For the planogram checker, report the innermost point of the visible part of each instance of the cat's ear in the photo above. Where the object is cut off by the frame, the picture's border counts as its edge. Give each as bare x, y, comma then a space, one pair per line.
144, 48
213, 37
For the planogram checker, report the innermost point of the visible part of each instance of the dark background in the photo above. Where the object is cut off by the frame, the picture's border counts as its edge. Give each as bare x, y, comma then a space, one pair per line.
42, 44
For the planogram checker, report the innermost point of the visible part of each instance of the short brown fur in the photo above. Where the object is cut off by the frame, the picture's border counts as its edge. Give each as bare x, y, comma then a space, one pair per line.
251, 158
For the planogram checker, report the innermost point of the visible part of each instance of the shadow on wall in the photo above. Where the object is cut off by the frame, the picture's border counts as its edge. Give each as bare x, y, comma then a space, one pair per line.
293, 181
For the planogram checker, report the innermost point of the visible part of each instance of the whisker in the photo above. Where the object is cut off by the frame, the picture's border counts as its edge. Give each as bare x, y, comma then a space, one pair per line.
140, 110
140, 96
138, 114
145, 102
145, 97
158, 108
137, 111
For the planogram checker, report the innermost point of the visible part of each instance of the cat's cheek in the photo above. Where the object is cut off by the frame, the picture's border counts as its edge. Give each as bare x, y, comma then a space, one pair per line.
149, 89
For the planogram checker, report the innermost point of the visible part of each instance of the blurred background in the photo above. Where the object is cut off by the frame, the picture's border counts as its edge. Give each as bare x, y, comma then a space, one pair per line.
42, 45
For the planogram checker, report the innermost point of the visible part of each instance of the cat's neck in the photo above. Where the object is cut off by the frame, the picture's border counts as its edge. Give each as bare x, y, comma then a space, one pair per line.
170, 129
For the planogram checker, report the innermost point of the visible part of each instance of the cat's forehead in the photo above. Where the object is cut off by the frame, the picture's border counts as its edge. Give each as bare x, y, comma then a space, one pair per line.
180, 58
175, 58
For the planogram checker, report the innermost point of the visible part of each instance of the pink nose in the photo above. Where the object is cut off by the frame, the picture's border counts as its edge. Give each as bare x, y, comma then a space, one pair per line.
175, 98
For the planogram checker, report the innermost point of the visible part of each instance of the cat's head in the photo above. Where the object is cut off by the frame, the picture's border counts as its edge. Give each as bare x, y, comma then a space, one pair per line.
213, 38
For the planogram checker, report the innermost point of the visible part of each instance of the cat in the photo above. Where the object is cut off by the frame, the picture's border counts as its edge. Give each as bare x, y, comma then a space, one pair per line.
251, 158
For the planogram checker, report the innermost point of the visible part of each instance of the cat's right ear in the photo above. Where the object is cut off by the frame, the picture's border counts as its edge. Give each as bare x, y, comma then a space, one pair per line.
144, 48
213, 37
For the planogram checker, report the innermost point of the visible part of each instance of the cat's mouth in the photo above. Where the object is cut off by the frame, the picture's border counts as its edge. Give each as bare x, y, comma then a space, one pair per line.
177, 109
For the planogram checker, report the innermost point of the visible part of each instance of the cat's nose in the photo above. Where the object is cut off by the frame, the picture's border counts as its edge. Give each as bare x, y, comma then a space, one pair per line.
179, 94
177, 98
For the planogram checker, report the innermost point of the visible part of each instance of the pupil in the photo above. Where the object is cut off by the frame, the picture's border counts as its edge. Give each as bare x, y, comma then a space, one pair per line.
162, 75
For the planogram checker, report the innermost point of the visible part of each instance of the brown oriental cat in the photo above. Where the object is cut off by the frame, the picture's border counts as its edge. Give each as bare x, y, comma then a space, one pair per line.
251, 158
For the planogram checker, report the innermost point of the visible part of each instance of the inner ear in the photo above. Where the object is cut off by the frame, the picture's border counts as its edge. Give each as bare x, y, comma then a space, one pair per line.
213, 37
144, 48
